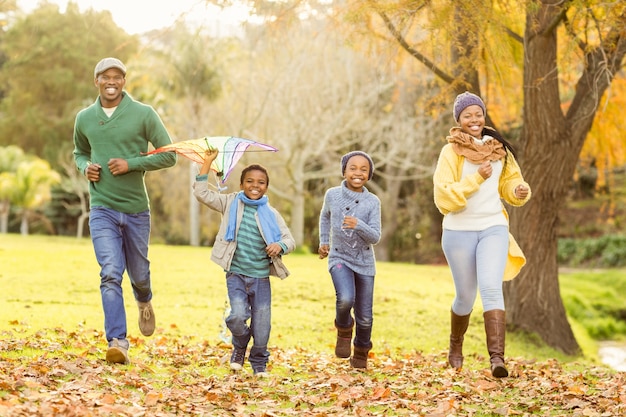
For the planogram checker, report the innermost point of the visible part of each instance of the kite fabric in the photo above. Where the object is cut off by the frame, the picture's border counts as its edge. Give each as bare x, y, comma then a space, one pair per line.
230, 149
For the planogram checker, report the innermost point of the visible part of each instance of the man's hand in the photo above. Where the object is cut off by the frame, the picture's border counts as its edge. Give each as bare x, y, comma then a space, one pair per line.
92, 172
118, 166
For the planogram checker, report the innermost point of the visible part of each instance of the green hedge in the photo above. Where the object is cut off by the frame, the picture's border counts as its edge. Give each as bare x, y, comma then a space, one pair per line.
604, 252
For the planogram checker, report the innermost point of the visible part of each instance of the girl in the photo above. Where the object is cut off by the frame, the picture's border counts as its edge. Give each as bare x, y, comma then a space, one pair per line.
349, 227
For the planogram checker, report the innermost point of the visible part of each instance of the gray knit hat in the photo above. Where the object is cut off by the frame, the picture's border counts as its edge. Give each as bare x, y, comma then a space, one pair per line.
108, 63
346, 158
465, 100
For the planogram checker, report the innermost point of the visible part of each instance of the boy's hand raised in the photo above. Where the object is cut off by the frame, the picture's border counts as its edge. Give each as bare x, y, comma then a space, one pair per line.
209, 156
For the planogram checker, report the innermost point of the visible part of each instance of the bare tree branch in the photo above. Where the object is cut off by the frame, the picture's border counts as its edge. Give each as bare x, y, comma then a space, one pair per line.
413, 52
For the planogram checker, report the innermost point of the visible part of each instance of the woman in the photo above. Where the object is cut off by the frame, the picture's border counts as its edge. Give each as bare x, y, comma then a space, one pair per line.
476, 170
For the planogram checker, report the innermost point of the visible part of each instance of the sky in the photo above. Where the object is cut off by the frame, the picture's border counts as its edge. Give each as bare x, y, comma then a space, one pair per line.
139, 16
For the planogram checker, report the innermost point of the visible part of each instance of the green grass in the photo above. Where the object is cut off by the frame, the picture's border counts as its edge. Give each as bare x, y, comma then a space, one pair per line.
50, 282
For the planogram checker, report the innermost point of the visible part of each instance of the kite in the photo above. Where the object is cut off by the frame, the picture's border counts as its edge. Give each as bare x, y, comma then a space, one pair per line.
230, 149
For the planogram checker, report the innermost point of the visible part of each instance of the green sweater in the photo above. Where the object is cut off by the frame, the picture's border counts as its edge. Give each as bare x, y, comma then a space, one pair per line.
126, 134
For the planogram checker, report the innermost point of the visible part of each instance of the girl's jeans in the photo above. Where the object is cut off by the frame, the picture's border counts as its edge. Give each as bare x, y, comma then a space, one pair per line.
250, 298
353, 290
477, 260
120, 242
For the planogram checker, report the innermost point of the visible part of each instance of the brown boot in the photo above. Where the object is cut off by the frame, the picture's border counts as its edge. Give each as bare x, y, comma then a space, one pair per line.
343, 348
458, 327
495, 327
359, 359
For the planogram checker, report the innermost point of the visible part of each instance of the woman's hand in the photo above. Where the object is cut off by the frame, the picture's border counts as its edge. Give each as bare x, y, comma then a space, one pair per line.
485, 170
521, 191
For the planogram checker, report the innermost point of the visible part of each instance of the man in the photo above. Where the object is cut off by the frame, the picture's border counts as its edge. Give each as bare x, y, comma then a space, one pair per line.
110, 137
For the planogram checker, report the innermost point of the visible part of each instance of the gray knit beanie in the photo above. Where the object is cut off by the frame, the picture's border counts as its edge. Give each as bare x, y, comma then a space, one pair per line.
465, 100
346, 158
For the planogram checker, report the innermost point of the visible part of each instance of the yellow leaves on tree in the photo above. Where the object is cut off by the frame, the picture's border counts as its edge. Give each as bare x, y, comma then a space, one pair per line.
605, 147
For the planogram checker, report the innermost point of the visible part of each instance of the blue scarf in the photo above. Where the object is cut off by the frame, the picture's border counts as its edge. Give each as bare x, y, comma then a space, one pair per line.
266, 217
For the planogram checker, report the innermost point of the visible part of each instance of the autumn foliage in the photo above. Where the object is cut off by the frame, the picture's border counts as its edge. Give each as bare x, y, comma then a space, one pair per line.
56, 372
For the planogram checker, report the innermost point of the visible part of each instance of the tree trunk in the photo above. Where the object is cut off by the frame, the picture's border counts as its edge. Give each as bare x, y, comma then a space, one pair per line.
80, 224
194, 211
390, 199
298, 200
533, 299
4, 216
552, 144
24, 224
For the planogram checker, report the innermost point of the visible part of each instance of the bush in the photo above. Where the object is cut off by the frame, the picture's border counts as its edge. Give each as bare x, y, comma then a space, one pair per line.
603, 252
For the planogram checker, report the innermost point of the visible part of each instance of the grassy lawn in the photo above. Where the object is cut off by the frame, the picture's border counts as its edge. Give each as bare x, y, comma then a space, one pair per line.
50, 282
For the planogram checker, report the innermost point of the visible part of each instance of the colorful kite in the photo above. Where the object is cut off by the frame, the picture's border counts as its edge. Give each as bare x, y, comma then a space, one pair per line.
230, 149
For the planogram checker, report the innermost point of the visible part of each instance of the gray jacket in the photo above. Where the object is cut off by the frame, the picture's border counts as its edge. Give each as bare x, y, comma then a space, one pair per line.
223, 250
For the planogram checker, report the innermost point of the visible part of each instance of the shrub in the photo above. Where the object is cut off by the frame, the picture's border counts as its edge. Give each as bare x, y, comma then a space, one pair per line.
604, 252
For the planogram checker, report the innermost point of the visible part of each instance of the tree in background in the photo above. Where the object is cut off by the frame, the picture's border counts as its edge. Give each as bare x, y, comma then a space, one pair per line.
192, 80
10, 158
604, 151
26, 185
180, 72
47, 78
70, 199
300, 88
48, 74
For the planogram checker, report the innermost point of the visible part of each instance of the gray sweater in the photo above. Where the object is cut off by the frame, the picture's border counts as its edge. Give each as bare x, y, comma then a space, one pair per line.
351, 247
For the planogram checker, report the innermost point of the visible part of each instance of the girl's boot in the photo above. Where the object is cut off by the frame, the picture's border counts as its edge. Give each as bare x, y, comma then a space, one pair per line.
359, 359
495, 327
458, 327
343, 348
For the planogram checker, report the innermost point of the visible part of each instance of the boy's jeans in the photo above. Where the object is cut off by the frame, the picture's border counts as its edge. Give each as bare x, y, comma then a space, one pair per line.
250, 298
356, 291
120, 242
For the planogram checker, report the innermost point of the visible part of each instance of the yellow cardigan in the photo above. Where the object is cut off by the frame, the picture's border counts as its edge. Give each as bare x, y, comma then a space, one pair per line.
451, 193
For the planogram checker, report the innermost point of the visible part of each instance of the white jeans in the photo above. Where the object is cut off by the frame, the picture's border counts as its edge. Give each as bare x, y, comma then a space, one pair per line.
477, 260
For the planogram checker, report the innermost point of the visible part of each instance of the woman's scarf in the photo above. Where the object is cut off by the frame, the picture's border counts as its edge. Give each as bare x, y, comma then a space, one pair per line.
465, 145
267, 218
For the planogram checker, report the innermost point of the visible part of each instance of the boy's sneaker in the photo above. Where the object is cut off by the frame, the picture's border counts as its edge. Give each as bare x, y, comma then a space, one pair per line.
261, 373
237, 358
117, 353
147, 321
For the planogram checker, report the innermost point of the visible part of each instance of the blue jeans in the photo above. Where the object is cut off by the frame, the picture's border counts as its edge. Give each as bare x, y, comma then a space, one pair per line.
354, 291
477, 260
120, 242
250, 299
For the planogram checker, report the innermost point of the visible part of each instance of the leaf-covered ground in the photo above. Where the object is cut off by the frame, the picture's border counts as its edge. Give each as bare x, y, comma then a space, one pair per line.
59, 373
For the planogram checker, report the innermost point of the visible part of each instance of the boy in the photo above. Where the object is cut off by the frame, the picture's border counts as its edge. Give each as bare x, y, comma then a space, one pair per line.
251, 240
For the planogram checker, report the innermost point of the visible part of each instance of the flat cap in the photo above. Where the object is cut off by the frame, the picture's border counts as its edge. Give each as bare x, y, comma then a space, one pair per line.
108, 63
